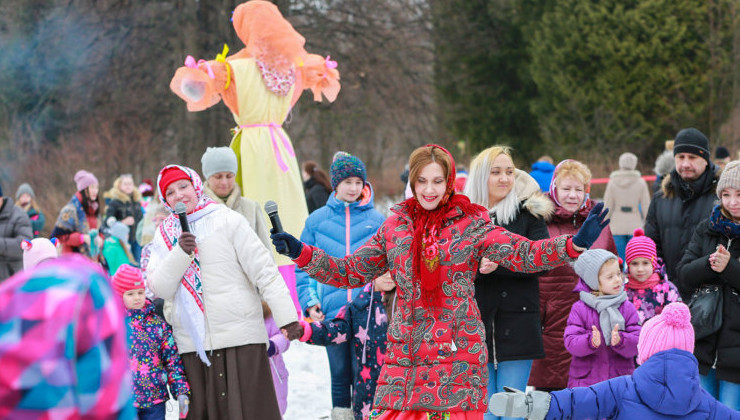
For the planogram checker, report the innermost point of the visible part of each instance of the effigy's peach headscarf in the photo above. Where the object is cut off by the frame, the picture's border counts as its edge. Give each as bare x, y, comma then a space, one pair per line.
270, 39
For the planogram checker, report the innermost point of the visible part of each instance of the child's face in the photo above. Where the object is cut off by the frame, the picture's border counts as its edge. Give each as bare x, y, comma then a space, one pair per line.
610, 278
641, 269
385, 283
134, 299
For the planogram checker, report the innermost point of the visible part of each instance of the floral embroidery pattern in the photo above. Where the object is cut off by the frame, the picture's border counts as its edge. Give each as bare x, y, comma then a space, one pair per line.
277, 82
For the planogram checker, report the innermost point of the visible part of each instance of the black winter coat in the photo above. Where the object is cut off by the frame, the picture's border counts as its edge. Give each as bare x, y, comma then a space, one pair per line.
509, 302
122, 208
316, 194
694, 271
674, 214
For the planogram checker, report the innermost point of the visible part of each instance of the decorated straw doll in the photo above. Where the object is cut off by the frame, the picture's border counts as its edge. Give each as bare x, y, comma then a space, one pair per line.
260, 84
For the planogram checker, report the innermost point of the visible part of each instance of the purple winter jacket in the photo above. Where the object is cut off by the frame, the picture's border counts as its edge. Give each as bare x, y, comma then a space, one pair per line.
592, 365
279, 371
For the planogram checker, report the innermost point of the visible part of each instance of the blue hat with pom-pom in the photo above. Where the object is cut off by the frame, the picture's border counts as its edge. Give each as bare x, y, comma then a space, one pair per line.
345, 166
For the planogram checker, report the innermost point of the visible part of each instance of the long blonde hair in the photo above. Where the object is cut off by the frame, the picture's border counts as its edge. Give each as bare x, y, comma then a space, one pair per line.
480, 168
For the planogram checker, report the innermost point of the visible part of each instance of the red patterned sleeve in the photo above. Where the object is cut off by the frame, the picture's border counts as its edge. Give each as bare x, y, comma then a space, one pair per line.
518, 253
355, 270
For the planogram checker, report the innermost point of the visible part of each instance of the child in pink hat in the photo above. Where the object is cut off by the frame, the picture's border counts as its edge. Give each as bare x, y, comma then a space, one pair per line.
153, 356
38, 250
665, 386
647, 287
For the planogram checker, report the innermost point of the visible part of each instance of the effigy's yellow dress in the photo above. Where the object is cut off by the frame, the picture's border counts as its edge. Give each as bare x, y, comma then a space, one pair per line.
260, 84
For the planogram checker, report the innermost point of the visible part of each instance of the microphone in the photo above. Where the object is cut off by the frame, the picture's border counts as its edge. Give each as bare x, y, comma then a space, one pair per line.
271, 208
181, 213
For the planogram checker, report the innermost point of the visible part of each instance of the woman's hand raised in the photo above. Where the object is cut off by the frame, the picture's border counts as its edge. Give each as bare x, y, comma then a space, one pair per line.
592, 227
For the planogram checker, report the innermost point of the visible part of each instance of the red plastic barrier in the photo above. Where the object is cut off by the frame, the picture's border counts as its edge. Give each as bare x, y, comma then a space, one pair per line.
649, 178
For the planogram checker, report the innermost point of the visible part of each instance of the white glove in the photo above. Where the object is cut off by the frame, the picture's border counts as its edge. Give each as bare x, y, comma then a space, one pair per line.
514, 403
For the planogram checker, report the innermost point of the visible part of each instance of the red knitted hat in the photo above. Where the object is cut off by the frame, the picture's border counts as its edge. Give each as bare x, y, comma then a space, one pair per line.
127, 278
641, 246
169, 176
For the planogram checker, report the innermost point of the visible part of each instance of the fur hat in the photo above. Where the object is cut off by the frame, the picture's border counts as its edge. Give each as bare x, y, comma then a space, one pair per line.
729, 178
345, 166
587, 266
24, 188
628, 161
218, 159
126, 278
691, 140
671, 329
84, 179
641, 246
37, 250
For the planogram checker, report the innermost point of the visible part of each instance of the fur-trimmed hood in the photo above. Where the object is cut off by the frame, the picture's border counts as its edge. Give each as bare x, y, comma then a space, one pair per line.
115, 193
668, 187
531, 197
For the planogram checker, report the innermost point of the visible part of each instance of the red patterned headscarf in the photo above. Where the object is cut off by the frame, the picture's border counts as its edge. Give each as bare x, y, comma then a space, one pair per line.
427, 228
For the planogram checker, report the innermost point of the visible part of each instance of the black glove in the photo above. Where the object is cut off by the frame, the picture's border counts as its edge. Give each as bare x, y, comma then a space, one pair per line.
286, 244
272, 349
591, 228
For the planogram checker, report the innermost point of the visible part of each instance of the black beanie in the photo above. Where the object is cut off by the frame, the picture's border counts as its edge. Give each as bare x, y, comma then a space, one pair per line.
691, 140
721, 152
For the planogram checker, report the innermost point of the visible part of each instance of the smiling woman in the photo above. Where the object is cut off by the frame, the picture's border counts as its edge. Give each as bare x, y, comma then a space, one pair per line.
212, 279
569, 191
508, 301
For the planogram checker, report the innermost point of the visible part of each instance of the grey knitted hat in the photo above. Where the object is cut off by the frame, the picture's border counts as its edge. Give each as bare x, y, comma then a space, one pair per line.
218, 159
628, 161
587, 266
24, 189
119, 231
730, 177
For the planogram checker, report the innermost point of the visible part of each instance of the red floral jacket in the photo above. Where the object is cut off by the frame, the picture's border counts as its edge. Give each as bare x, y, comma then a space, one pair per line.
436, 359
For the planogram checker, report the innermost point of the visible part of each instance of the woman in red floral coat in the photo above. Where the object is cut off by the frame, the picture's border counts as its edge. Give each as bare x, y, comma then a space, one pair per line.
435, 365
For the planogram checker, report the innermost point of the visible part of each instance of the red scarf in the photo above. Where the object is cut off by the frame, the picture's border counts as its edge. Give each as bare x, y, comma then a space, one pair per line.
427, 226
642, 285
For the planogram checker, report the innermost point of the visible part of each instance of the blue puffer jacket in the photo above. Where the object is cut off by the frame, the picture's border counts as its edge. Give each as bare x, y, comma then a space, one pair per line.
665, 387
326, 228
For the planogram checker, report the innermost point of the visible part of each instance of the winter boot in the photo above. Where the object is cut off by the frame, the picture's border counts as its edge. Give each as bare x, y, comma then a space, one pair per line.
342, 413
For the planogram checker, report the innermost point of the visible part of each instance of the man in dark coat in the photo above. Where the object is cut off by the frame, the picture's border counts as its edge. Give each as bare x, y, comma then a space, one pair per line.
14, 228
686, 197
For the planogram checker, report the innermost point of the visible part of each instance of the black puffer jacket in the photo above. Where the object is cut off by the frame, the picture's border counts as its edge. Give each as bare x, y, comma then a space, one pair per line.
694, 271
509, 302
14, 228
122, 206
674, 213
316, 195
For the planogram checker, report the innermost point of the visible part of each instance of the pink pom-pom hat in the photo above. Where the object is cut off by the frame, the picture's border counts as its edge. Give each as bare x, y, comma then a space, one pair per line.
671, 329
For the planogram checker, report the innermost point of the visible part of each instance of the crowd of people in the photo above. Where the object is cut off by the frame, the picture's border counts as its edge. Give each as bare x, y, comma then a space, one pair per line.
456, 298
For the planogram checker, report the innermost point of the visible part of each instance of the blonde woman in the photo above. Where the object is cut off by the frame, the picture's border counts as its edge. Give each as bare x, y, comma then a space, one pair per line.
508, 301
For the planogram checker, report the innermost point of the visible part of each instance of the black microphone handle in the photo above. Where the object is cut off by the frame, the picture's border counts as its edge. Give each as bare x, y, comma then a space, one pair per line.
184, 222
275, 220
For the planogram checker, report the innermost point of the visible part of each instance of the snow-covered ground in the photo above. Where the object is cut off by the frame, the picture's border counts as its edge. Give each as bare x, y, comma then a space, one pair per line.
309, 384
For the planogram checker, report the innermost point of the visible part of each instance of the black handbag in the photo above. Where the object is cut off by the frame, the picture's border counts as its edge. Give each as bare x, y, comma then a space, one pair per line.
706, 310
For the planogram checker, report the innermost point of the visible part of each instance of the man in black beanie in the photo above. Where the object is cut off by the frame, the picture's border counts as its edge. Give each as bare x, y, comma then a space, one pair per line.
686, 197
14, 228
721, 157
